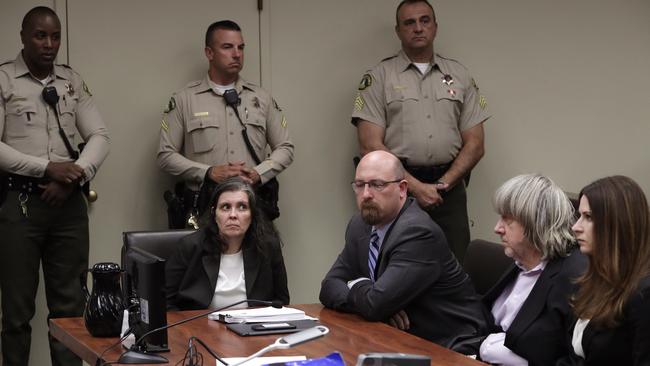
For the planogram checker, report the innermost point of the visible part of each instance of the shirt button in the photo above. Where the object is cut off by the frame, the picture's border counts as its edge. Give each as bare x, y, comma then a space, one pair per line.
428, 116
232, 152
430, 136
426, 97
232, 133
230, 114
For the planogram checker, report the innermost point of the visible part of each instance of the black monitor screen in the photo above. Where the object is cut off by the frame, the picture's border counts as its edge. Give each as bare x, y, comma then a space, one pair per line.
145, 287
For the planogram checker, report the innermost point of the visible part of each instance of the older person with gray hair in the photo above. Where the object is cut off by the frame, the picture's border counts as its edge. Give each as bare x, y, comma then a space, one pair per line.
529, 305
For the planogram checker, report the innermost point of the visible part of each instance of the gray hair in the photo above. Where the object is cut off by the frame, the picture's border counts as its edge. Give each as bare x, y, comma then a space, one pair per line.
544, 211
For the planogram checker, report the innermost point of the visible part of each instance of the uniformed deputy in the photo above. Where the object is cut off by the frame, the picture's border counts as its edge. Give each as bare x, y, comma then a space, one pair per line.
200, 134
43, 217
426, 110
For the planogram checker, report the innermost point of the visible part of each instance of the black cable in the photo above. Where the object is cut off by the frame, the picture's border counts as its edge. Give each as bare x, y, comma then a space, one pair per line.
209, 350
181, 362
99, 359
191, 357
128, 332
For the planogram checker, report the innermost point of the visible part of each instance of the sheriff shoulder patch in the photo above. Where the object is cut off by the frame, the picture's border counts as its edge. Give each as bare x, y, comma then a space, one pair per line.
171, 105
365, 82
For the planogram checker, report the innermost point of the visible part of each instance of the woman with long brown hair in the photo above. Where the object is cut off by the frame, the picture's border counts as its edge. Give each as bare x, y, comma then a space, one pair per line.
613, 302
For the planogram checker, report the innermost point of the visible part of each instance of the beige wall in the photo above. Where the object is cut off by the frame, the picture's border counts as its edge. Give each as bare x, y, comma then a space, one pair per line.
566, 82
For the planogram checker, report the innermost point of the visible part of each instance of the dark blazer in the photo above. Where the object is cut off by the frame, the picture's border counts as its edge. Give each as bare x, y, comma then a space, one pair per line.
416, 272
538, 331
627, 344
191, 273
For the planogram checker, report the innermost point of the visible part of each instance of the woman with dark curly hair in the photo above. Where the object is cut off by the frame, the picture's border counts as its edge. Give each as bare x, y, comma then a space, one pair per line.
613, 302
235, 255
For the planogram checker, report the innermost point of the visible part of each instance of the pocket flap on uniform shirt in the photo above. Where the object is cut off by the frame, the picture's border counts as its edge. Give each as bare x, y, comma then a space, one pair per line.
68, 105
398, 93
20, 106
256, 122
201, 123
450, 93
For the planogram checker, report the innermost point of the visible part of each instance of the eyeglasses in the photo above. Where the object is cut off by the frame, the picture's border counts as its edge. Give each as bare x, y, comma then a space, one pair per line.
376, 185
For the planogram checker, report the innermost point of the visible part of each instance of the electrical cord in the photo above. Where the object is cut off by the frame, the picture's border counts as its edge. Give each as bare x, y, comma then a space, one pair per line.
100, 358
127, 333
192, 349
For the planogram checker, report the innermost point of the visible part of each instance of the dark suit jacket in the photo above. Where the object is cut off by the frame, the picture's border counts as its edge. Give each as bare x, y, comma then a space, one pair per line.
627, 344
416, 272
191, 273
538, 331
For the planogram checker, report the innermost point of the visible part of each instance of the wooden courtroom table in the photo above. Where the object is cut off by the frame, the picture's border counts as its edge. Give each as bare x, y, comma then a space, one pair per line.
349, 334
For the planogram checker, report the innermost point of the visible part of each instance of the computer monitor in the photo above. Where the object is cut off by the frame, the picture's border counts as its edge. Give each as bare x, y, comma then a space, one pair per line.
145, 289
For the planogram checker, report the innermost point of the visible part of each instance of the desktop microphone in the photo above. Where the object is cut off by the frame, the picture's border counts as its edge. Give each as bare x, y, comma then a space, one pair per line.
138, 354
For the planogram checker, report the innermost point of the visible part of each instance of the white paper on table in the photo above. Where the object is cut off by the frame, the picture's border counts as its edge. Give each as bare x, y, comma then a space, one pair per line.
261, 360
259, 315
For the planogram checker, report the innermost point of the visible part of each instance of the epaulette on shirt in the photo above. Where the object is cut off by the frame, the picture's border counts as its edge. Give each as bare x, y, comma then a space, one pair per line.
194, 83
6, 62
250, 86
388, 58
451, 60
65, 65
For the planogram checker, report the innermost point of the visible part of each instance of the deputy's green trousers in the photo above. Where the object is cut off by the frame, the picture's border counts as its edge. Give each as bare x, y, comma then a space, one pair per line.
452, 218
57, 237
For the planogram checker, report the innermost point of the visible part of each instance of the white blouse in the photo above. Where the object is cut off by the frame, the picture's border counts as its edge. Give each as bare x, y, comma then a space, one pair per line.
231, 284
576, 341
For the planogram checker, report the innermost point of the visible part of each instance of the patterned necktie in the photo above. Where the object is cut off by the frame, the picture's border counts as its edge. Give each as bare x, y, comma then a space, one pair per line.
373, 254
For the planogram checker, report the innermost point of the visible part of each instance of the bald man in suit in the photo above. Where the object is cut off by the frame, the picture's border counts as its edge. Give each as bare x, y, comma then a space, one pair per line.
396, 265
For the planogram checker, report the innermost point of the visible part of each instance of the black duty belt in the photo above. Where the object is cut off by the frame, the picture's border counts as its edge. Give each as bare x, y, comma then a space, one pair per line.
427, 174
29, 185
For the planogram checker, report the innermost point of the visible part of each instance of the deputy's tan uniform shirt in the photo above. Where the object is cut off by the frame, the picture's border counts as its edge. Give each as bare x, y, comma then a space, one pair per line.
199, 130
29, 133
423, 116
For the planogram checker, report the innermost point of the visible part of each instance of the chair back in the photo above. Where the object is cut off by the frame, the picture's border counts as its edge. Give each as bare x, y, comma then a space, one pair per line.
485, 262
158, 243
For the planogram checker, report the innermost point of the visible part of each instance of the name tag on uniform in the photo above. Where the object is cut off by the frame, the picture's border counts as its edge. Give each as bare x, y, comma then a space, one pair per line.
201, 114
